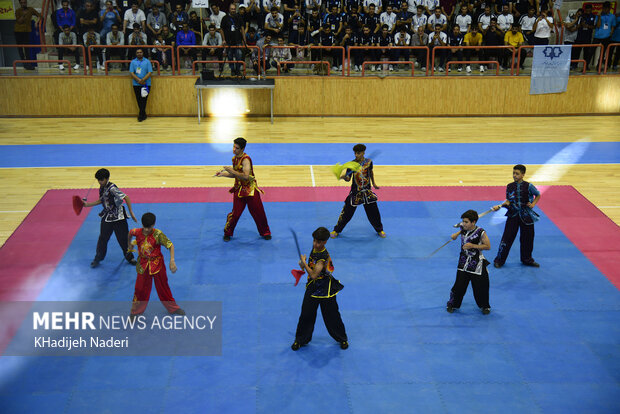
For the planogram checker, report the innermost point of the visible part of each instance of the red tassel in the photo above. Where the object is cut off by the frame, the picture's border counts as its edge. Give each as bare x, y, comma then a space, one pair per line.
77, 205
297, 274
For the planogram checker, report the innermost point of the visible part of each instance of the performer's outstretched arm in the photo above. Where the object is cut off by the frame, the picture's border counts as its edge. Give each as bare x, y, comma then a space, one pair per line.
313, 273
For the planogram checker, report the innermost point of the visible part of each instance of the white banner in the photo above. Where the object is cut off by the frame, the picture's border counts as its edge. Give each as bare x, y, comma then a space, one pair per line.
200, 4
550, 69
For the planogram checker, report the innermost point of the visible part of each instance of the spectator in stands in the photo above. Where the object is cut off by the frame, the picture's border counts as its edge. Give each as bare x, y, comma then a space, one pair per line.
473, 38
88, 17
514, 38
312, 4
376, 3
456, 53
162, 54
570, 34
91, 38
366, 38
420, 19
234, 35
420, 38
385, 39
243, 15
347, 39
155, 23
354, 20
295, 23
64, 17
216, 16
252, 11
186, 37
494, 37
429, 7
388, 18
505, 19
169, 37
334, 20
404, 17
280, 54
289, 7
438, 38
274, 22
268, 5
448, 8
67, 37
133, 16
437, 19
178, 17
195, 25
115, 38
520, 8
484, 20
264, 51
543, 27
402, 38
108, 16
605, 24
371, 19
136, 38
527, 25
213, 38
140, 71
23, 29
463, 21
585, 28
328, 39
615, 38
251, 37
315, 25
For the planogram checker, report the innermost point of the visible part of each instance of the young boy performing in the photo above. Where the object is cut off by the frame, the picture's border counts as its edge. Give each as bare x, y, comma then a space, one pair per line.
321, 289
113, 217
245, 191
472, 264
521, 197
361, 193
151, 267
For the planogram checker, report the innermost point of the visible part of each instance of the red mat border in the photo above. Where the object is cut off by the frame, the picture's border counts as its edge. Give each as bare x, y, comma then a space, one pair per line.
23, 278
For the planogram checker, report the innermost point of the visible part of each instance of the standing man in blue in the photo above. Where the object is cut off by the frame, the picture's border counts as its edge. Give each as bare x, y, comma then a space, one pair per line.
140, 70
521, 197
604, 27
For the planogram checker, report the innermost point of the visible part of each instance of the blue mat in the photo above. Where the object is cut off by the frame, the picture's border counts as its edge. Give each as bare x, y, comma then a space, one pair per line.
551, 343
82, 155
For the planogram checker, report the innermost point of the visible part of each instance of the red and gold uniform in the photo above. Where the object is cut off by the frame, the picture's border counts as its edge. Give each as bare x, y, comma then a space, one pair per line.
151, 267
246, 193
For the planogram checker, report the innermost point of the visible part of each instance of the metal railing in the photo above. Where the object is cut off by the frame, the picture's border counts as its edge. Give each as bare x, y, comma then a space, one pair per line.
145, 48
476, 48
198, 47
388, 62
354, 48
105, 64
310, 48
82, 48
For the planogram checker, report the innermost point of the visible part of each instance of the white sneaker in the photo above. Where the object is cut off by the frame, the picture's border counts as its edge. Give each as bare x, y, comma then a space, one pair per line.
416, 64
501, 68
481, 68
449, 70
423, 69
86, 67
61, 67
187, 65
391, 67
340, 67
460, 69
356, 68
99, 66
377, 68
468, 69
76, 67
440, 69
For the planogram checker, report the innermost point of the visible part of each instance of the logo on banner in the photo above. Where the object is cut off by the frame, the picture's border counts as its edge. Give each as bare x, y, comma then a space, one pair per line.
553, 52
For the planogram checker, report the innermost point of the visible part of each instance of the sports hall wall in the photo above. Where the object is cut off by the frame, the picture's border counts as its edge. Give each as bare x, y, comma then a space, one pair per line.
315, 96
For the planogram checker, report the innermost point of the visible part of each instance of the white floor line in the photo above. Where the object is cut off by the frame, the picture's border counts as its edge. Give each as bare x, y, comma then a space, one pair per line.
312, 176
15, 211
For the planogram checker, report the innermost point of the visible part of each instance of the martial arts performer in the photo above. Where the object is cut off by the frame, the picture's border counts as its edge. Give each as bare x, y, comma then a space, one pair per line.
245, 192
321, 290
360, 194
521, 197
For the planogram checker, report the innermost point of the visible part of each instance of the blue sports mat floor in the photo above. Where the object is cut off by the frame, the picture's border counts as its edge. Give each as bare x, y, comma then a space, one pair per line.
550, 345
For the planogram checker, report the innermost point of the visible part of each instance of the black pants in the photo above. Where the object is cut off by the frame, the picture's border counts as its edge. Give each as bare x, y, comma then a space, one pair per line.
331, 317
372, 212
513, 224
22, 38
605, 43
76, 52
121, 231
141, 101
479, 284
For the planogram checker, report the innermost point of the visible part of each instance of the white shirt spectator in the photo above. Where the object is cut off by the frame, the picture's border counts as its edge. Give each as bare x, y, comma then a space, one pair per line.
268, 4
132, 18
463, 22
310, 4
433, 20
95, 39
119, 38
504, 21
432, 40
485, 20
216, 40
569, 36
216, 19
377, 4
412, 6
543, 30
389, 19
527, 23
419, 21
271, 22
431, 5
398, 36
134, 40
70, 40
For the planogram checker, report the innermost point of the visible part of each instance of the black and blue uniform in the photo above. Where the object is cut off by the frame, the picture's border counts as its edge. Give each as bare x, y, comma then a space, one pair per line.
113, 220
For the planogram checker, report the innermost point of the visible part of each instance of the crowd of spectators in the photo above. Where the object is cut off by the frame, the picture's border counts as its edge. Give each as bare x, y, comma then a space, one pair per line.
300, 23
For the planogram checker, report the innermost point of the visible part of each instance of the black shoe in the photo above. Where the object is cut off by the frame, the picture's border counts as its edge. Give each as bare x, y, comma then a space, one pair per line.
94, 263
344, 345
132, 261
486, 311
295, 346
267, 237
29, 67
449, 309
532, 263
179, 312
140, 119
226, 238
497, 265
